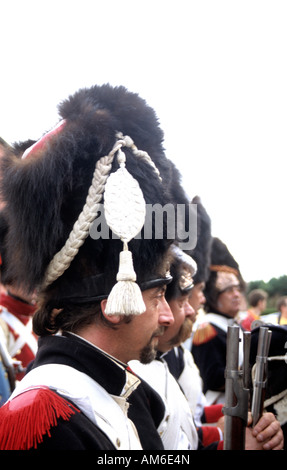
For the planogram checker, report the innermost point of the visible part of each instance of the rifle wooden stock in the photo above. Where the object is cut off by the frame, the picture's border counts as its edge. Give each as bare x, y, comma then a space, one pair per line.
259, 384
236, 391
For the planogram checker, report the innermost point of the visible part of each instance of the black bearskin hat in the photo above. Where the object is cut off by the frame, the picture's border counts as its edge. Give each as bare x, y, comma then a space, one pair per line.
45, 191
195, 263
221, 261
15, 150
202, 251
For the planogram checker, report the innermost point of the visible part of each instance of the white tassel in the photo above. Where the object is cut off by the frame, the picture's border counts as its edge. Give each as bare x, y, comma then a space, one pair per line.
125, 215
125, 297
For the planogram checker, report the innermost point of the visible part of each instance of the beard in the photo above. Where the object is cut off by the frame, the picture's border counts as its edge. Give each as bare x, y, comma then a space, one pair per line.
183, 334
149, 352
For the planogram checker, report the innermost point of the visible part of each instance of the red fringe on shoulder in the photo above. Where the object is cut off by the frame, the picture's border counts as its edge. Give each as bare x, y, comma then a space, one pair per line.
25, 419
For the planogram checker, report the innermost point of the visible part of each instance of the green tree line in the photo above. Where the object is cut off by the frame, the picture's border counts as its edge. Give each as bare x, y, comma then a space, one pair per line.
275, 288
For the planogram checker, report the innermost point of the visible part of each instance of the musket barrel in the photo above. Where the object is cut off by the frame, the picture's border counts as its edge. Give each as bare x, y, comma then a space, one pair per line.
246, 357
260, 374
236, 390
232, 355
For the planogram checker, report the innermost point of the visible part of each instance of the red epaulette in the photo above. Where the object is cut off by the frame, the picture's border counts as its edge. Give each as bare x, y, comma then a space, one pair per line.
25, 419
204, 333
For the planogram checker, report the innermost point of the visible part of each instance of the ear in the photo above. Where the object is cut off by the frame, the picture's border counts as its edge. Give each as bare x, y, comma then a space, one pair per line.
111, 318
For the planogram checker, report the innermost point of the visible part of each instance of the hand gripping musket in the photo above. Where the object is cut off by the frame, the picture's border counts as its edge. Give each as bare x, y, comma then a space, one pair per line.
236, 390
260, 378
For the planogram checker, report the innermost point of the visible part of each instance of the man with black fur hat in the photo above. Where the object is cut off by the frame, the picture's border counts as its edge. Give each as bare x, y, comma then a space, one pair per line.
107, 148
201, 254
223, 294
5, 389
17, 307
171, 344
181, 428
179, 395
179, 358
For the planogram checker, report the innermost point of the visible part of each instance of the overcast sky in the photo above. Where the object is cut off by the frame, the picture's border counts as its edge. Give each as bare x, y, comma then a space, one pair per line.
214, 71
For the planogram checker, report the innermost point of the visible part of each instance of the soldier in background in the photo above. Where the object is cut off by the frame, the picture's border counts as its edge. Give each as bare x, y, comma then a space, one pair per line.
279, 317
178, 357
257, 300
223, 294
5, 389
5, 385
17, 307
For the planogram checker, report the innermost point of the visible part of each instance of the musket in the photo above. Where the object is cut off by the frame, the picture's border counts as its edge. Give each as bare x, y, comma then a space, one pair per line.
236, 390
260, 379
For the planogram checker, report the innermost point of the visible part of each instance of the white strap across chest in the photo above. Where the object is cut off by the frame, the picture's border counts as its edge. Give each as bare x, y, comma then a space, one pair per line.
108, 413
24, 332
177, 429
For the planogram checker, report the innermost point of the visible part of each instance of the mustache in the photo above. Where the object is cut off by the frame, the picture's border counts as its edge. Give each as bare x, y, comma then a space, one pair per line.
159, 332
186, 329
183, 334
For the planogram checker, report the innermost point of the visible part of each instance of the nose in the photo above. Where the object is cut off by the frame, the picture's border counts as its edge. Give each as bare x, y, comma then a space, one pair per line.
165, 316
202, 299
188, 309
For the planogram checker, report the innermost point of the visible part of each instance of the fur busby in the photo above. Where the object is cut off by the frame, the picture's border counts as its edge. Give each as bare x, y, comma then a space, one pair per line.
182, 270
14, 151
3, 146
202, 251
46, 190
221, 261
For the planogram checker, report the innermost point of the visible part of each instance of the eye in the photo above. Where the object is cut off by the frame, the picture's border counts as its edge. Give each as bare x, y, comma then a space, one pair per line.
156, 302
160, 294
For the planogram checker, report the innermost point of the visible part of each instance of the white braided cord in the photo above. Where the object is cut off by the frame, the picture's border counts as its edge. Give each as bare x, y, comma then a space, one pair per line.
138, 153
62, 260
